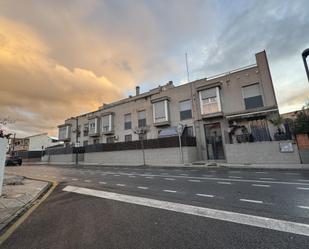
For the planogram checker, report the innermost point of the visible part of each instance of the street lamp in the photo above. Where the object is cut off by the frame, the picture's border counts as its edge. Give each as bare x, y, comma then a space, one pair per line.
180, 128
304, 54
77, 131
141, 131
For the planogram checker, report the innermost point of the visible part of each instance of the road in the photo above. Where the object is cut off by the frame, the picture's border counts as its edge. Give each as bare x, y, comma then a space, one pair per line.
134, 207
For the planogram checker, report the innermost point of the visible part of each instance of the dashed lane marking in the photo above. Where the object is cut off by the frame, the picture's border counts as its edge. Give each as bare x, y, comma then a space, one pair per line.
140, 187
304, 207
302, 188
261, 185
102, 182
170, 191
120, 185
204, 195
253, 201
169, 179
192, 180
224, 183
239, 218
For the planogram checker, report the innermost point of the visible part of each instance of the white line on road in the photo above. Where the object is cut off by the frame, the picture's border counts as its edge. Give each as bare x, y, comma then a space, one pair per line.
302, 188
142, 187
116, 175
87, 181
304, 207
261, 172
74, 179
236, 177
132, 176
183, 174
120, 185
102, 182
169, 191
204, 195
63, 178
290, 173
149, 177
261, 185
223, 182
253, 201
245, 219
267, 178
169, 179
302, 180
192, 180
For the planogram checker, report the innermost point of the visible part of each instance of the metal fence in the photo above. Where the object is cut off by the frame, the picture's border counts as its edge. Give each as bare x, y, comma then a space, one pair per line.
132, 145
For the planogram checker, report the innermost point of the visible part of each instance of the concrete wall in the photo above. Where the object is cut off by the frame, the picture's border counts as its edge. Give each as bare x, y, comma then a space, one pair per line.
167, 156
260, 153
59, 159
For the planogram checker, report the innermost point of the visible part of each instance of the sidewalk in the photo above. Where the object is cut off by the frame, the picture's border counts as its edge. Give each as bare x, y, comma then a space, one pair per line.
18, 195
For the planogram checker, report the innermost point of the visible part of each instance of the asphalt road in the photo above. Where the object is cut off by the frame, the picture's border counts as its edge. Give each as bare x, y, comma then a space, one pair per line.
72, 220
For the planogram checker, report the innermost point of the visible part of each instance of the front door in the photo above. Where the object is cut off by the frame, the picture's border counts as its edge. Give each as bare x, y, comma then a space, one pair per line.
214, 144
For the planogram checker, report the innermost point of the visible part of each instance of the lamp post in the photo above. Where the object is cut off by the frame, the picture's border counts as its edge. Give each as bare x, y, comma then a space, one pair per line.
304, 54
140, 132
179, 131
76, 141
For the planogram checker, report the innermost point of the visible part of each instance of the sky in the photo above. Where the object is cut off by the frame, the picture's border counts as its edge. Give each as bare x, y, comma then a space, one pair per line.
59, 59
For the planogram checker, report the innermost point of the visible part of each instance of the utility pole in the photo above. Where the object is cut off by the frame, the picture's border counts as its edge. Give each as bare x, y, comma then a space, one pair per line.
187, 66
305, 53
179, 131
76, 141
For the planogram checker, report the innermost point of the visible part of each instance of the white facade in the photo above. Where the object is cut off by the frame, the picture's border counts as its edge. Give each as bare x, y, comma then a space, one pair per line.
41, 141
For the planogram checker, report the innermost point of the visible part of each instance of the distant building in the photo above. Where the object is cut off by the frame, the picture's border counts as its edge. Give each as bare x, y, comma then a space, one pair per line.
41, 141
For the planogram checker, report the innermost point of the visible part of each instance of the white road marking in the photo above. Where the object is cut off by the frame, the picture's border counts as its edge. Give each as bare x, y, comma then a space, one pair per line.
169, 179
253, 201
87, 181
304, 207
223, 182
236, 177
169, 191
192, 180
267, 178
183, 174
120, 185
74, 179
63, 178
102, 182
142, 187
261, 185
132, 176
204, 195
245, 219
211, 178
116, 175
301, 180
261, 172
302, 188
54, 177
149, 177
291, 173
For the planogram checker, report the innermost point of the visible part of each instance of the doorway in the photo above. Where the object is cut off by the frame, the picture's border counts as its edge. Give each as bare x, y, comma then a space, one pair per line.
214, 143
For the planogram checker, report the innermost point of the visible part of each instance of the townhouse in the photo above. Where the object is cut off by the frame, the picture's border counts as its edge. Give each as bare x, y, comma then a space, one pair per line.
221, 112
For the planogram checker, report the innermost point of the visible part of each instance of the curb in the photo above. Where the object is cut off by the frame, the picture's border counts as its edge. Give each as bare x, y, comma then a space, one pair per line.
25, 212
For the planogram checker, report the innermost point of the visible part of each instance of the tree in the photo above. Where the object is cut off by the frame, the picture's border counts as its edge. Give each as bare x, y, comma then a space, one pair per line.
301, 124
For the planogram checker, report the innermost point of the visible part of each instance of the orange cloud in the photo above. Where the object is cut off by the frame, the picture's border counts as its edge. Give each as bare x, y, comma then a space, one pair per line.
37, 91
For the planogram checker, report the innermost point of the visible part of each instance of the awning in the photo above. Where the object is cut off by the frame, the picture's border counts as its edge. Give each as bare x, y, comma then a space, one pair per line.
251, 114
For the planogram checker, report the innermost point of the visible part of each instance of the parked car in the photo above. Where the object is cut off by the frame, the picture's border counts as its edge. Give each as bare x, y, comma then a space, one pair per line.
12, 160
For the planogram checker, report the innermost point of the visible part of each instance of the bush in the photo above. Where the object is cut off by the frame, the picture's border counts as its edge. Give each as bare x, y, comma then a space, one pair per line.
301, 124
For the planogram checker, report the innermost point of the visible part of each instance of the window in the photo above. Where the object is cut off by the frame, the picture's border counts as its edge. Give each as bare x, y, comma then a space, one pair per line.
64, 132
141, 118
107, 123
185, 109
85, 143
78, 130
93, 126
188, 131
96, 141
128, 138
210, 101
86, 130
160, 111
252, 96
127, 121
110, 140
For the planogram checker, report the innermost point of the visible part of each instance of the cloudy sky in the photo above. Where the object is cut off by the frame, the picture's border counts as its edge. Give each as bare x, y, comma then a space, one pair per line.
62, 58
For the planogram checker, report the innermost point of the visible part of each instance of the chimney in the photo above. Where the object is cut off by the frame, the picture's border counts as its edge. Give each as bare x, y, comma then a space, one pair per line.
137, 90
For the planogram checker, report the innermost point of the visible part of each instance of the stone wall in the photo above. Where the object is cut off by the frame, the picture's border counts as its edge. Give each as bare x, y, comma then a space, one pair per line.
59, 159
260, 153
